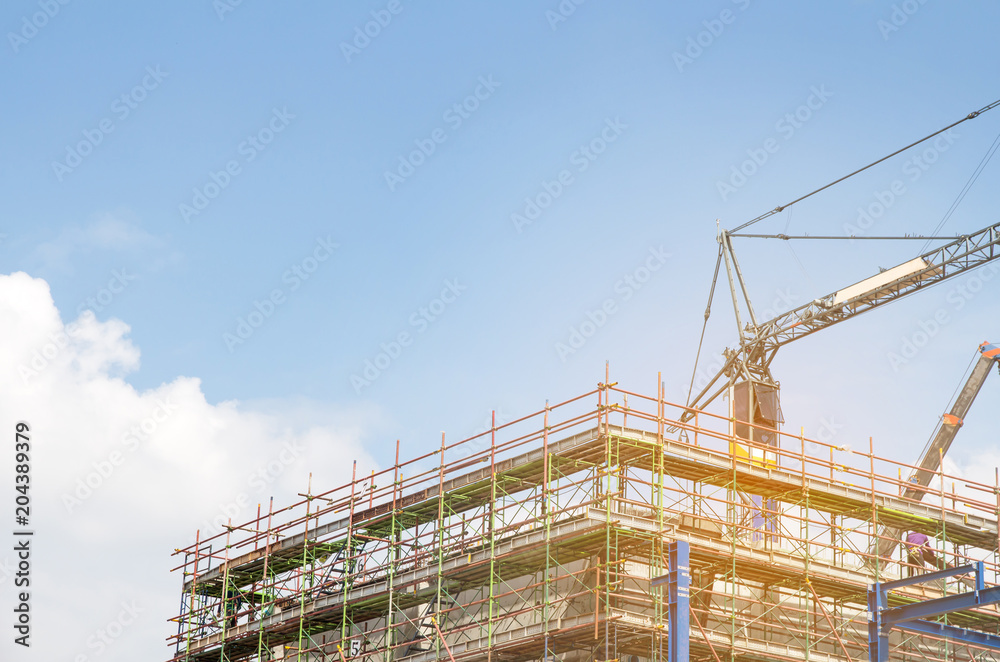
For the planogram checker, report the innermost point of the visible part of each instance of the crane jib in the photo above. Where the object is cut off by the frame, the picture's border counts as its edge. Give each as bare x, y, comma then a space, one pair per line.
947, 261
761, 341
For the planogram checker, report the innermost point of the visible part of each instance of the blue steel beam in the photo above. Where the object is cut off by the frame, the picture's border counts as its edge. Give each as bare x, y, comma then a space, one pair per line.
678, 612
878, 640
957, 602
951, 632
933, 576
882, 619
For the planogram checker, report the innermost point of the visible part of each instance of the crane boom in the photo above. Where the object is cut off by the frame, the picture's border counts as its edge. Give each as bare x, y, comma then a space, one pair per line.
930, 459
944, 434
760, 342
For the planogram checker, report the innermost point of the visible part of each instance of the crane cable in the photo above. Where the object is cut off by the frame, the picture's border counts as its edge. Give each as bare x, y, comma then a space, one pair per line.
951, 401
708, 312
776, 210
848, 237
968, 185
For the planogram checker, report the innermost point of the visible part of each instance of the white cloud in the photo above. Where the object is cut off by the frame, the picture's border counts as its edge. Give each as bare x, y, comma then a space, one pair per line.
159, 463
105, 232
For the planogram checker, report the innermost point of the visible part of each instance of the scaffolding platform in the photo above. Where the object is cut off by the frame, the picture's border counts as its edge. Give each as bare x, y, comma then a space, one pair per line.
540, 538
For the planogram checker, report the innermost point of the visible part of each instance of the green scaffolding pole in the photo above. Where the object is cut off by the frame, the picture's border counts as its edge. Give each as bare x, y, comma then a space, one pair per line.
225, 594
393, 554
194, 586
657, 568
440, 544
603, 413
492, 534
804, 530
547, 522
304, 574
264, 582
733, 515
348, 556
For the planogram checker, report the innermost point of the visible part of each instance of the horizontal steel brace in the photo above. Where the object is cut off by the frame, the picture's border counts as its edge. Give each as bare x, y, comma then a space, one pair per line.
951, 632
928, 577
897, 615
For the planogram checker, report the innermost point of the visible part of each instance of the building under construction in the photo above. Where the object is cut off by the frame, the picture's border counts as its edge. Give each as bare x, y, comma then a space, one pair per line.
563, 535
545, 538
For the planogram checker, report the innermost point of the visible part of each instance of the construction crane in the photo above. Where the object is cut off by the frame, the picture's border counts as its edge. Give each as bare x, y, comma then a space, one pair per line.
747, 368
940, 441
750, 362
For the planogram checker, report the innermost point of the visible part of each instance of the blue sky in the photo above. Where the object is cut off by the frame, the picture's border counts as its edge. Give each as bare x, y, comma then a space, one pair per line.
305, 234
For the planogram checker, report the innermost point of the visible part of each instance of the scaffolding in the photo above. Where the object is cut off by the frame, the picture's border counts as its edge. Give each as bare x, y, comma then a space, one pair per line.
541, 539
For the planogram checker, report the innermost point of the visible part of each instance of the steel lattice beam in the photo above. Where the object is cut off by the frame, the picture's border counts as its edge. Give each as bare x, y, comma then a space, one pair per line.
760, 342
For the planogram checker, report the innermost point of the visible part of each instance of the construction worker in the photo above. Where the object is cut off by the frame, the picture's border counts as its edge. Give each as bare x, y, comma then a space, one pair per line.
231, 607
919, 552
